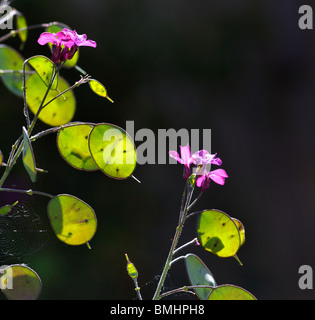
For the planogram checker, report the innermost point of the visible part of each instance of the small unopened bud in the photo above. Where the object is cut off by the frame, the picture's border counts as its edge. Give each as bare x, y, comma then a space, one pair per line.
131, 269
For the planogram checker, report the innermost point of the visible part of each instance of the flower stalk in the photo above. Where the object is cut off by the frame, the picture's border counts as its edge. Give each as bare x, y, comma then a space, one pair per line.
201, 178
187, 195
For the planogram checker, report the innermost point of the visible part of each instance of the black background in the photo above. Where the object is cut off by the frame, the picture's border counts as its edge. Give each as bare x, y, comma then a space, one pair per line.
243, 69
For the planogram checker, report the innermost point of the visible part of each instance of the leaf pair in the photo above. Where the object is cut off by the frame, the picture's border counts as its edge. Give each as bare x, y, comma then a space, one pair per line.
61, 109
104, 147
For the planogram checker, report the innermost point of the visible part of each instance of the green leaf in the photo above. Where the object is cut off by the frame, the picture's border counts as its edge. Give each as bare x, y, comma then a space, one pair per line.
11, 61
230, 292
218, 233
7, 208
99, 89
199, 274
60, 111
19, 282
21, 24
44, 68
28, 156
56, 28
73, 221
131, 269
113, 150
72, 142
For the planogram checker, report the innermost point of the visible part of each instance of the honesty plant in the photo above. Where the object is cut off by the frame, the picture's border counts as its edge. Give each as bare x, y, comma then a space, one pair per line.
216, 231
48, 97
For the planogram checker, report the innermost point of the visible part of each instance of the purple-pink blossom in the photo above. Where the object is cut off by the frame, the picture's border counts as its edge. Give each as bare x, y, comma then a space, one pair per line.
64, 43
200, 160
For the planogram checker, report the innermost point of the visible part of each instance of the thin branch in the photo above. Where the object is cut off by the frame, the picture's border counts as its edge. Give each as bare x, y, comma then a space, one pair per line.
176, 259
193, 213
26, 113
35, 26
195, 201
179, 228
14, 147
78, 83
15, 71
46, 132
80, 70
184, 289
137, 288
193, 241
29, 192
31, 127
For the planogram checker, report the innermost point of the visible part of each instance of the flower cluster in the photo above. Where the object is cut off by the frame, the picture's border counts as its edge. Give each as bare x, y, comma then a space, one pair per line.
200, 160
64, 43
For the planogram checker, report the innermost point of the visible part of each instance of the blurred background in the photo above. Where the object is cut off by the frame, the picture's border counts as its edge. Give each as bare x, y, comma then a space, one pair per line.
241, 68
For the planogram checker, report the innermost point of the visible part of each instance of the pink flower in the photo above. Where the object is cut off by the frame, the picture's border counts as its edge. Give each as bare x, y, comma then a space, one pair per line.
64, 43
185, 159
218, 176
200, 159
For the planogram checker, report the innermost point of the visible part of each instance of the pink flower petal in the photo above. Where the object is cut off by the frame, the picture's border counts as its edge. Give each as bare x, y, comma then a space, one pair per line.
218, 176
204, 157
216, 161
199, 156
220, 172
47, 37
175, 155
88, 43
200, 180
79, 40
185, 153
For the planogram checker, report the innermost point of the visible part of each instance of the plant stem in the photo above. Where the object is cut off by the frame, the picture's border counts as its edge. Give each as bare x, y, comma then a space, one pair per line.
78, 83
184, 209
17, 148
35, 26
15, 71
31, 127
195, 201
18, 144
137, 289
185, 289
186, 245
176, 259
29, 192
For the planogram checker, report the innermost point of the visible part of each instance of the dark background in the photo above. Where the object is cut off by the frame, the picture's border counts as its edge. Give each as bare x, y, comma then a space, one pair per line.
242, 68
